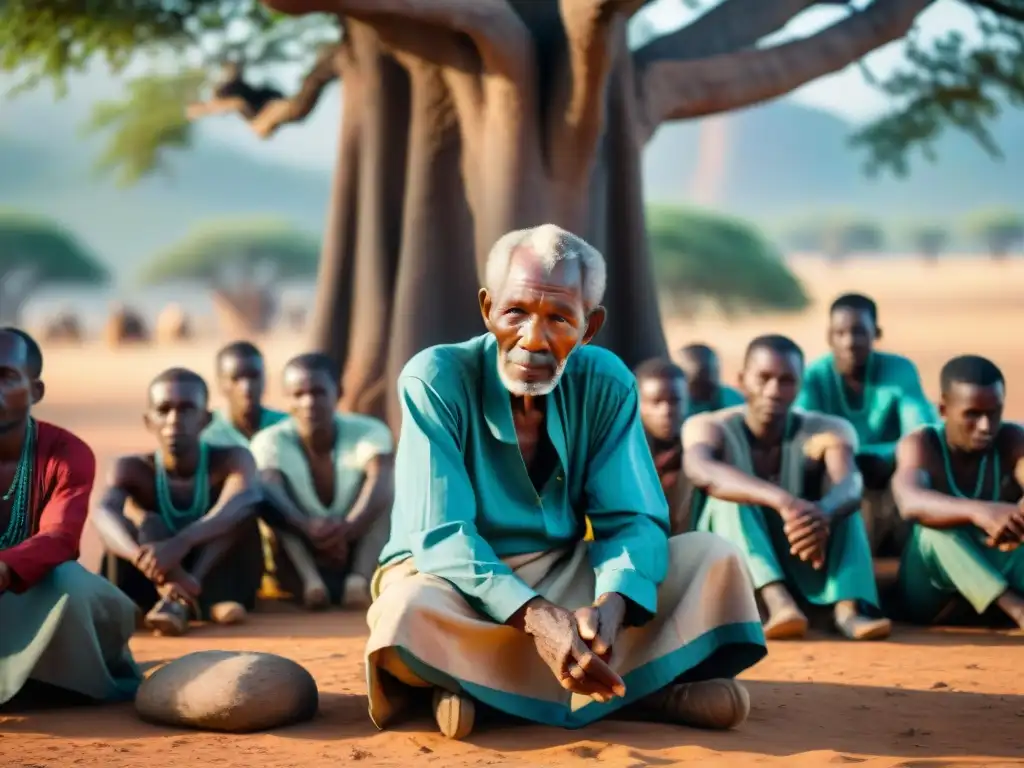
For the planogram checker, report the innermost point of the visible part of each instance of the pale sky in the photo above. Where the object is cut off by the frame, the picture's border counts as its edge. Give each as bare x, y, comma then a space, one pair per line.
312, 144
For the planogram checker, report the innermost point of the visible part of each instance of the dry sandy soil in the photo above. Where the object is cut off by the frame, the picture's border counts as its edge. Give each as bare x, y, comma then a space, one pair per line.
927, 698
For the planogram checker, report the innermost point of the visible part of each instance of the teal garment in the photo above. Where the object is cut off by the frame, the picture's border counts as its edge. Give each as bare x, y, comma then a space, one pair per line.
726, 397
71, 631
939, 564
464, 500
895, 401
758, 532
222, 432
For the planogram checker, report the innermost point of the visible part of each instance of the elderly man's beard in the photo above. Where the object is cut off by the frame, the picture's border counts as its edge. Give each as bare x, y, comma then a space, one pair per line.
532, 388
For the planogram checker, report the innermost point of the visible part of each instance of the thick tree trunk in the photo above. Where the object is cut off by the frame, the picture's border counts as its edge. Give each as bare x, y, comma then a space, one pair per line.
435, 292
384, 136
483, 156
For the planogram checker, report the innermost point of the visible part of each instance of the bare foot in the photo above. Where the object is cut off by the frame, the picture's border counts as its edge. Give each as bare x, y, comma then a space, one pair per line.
856, 626
1012, 605
785, 619
315, 596
228, 613
357, 592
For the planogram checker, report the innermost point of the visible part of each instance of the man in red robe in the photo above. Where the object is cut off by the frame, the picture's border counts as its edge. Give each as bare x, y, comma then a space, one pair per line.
60, 626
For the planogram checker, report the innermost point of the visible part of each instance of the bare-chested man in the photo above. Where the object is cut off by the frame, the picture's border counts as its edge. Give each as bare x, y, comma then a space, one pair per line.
960, 483
703, 372
661, 385
330, 476
194, 549
783, 486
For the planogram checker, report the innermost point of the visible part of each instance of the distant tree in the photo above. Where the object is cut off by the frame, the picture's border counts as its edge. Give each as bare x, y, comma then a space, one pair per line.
241, 262
700, 257
37, 252
929, 240
1001, 230
836, 236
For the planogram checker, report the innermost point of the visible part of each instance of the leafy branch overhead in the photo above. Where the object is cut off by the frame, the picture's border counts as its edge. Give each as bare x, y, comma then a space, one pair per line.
207, 57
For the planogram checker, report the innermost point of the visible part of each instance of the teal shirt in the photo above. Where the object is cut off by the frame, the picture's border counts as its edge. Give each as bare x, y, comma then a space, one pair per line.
894, 402
464, 501
220, 431
726, 397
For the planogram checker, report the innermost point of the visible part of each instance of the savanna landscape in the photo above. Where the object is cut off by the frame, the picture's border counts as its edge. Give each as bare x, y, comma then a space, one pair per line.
926, 698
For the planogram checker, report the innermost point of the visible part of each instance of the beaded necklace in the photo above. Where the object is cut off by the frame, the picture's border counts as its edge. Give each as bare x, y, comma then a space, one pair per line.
844, 404
175, 518
21, 490
980, 484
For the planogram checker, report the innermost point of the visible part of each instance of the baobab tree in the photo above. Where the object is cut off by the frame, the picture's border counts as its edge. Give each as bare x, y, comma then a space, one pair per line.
464, 119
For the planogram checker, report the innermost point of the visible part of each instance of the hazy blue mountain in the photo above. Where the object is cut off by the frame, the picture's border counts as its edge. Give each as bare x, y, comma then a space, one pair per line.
783, 160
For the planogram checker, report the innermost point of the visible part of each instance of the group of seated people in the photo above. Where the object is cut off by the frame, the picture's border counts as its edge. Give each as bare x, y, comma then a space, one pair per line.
556, 537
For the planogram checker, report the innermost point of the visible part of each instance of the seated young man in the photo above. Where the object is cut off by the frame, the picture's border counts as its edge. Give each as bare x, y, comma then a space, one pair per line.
880, 395
329, 475
661, 385
193, 551
241, 381
782, 486
703, 372
960, 485
61, 627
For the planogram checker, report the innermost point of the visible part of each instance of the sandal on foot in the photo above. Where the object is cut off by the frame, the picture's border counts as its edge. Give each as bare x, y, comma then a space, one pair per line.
720, 704
168, 617
857, 627
454, 713
787, 624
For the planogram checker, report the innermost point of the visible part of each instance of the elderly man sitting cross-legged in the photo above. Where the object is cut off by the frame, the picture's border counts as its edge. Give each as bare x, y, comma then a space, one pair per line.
487, 591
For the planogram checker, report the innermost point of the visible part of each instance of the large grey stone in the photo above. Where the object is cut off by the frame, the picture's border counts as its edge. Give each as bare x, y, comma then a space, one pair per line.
237, 692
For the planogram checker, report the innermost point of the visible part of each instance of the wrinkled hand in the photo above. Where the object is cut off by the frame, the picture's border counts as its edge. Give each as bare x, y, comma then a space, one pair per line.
158, 560
576, 667
1003, 524
807, 529
5, 577
598, 625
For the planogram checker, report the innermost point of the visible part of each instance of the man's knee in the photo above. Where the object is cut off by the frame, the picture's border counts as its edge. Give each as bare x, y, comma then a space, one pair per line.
152, 528
712, 547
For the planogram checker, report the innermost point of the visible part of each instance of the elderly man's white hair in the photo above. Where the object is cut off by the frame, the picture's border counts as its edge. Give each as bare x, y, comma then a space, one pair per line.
551, 244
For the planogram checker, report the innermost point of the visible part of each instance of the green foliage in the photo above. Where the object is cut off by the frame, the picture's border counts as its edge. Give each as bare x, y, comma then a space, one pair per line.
949, 82
999, 229
43, 42
144, 125
700, 256
47, 248
209, 252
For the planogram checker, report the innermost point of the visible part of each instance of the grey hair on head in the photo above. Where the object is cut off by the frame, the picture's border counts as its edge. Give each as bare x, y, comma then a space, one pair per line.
551, 244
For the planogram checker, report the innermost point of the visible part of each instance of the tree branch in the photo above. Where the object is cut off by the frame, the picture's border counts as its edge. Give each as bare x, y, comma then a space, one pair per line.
265, 109
678, 89
730, 26
505, 45
1006, 10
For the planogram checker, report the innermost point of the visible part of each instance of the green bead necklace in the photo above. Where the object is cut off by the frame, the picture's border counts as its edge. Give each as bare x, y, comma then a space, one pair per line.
21, 490
175, 518
848, 411
980, 484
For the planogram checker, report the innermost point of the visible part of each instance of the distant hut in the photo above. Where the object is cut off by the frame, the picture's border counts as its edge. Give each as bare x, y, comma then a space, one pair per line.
124, 326
63, 327
173, 325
